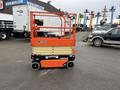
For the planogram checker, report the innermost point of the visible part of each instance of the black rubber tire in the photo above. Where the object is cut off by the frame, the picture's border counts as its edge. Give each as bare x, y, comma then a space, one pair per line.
97, 42
26, 35
70, 64
36, 66
3, 35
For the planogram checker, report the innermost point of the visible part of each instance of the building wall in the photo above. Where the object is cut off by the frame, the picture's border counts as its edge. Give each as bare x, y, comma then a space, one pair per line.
46, 6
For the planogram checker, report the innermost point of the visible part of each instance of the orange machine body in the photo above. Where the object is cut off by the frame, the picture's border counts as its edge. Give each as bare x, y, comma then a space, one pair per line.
44, 54
53, 63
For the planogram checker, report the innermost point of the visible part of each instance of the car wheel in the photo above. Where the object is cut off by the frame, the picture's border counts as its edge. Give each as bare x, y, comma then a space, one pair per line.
97, 42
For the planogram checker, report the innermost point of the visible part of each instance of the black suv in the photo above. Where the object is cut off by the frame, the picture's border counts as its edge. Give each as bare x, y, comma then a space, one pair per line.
111, 36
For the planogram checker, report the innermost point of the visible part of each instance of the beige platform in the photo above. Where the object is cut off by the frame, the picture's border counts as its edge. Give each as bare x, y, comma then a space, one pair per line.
52, 50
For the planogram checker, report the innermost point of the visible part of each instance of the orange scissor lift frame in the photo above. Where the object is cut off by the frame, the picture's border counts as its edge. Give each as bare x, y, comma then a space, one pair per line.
57, 51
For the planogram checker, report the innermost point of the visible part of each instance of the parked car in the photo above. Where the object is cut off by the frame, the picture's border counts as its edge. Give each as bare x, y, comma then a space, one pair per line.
111, 36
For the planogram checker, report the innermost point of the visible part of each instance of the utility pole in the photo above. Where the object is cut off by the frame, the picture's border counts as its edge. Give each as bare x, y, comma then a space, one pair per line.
98, 15
49, 2
86, 21
104, 12
119, 19
91, 19
80, 16
112, 10
85, 17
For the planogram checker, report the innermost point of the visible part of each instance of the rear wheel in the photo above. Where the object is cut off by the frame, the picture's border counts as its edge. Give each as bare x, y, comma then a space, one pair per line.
3, 35
97, 42
26, 35
70, 64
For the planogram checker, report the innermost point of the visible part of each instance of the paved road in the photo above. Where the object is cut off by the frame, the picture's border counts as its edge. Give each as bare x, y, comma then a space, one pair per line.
95, 69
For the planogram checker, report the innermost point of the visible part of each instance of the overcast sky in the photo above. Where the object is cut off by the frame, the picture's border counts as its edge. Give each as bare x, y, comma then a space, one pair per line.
81, 5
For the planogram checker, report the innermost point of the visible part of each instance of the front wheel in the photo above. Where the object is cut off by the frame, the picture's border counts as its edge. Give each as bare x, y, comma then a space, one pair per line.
97, 42
36, 66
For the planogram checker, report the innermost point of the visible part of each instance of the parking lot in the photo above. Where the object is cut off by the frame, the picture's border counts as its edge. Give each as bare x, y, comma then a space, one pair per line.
95, 69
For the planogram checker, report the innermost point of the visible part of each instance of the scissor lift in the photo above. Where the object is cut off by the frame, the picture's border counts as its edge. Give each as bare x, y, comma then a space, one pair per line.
49, 49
